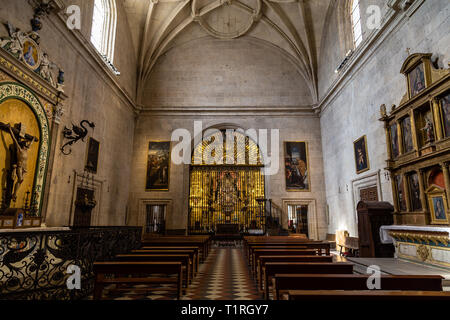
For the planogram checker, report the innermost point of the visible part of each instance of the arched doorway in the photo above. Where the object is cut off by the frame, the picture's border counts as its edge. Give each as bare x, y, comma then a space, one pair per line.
230, 188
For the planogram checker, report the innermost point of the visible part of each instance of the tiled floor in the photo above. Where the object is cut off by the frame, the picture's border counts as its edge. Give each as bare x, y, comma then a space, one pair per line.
223, 276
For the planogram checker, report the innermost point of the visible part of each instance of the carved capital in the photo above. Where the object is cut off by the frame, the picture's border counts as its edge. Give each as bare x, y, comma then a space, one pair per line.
58, 112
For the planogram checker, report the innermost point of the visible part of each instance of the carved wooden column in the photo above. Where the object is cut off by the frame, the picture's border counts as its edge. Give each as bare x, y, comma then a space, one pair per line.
400, 138
444, 167
423, 198
414, 131
436, 117
395, 193
406, 192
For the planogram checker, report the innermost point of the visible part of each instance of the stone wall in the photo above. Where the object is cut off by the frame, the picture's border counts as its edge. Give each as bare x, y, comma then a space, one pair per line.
93, 95
240, 83
352, 109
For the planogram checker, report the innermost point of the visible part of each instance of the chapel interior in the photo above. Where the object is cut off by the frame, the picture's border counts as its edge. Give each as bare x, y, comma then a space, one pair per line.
224, 149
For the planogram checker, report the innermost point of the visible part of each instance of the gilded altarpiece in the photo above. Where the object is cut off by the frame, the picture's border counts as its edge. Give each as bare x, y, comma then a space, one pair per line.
418, 161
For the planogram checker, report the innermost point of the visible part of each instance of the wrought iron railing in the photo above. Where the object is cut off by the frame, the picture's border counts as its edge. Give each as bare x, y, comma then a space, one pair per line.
33, 265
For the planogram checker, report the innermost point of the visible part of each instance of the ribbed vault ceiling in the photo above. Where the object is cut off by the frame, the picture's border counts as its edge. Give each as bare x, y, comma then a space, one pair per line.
294, 26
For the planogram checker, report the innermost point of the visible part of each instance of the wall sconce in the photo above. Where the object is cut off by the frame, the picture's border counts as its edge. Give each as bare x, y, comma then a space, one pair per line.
77, 133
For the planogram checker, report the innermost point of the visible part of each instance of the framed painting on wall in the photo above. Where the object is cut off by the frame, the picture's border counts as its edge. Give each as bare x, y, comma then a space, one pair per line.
92, 153
158, 166
296, 166
361, 155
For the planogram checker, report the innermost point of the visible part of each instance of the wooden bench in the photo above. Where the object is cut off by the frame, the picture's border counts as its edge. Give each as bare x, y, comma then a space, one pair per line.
253, 248
285, 282
202, 242
278, 252
122, 270
367, 295
273, 268
192, 251
183, 258
321, 247
287, 258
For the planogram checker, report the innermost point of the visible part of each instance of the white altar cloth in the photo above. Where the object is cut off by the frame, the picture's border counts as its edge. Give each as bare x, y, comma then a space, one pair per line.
386, 238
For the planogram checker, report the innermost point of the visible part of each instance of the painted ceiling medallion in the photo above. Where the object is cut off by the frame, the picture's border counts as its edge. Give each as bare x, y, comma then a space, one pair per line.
226, 19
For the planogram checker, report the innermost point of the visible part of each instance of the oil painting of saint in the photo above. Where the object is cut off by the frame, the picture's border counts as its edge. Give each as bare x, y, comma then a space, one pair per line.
417, 80
414, 189
296, 166
394, 140
158, 166
438, 208
361, 156
30, 55
445, 105
407, 136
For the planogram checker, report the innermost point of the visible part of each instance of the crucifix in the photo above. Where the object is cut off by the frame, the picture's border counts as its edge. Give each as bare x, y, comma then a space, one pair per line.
19, 154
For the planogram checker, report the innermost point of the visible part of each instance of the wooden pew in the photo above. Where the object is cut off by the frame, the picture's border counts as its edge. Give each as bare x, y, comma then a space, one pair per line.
321, 247
287, 258
194, 251
183, 258
165, 252
203, 242
278, 252
272, 268
121, 271
253, 248
367, 295
285, 282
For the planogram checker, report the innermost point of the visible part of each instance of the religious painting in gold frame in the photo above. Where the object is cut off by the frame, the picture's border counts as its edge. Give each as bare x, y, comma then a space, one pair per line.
444, 103
296, 166
158, 166
361, 155
437, 202
416, 80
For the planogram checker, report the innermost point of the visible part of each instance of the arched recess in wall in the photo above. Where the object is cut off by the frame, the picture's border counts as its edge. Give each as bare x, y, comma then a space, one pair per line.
226, 182
24, 99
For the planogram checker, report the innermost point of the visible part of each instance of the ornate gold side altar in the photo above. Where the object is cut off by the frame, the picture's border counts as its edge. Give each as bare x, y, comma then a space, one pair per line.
418, 140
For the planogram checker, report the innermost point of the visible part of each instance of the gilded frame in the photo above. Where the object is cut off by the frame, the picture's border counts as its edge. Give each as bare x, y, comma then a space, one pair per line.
435, 193
291, 189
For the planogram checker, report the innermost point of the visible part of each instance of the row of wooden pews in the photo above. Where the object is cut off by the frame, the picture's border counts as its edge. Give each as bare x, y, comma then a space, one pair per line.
159, 261
295, 268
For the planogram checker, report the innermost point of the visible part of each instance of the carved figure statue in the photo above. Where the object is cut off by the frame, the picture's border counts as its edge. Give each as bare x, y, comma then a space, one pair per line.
13, 43
428, 128
19, 160
44, 70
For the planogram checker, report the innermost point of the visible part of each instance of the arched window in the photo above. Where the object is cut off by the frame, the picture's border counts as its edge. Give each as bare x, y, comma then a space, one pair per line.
103, 33
356, 23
